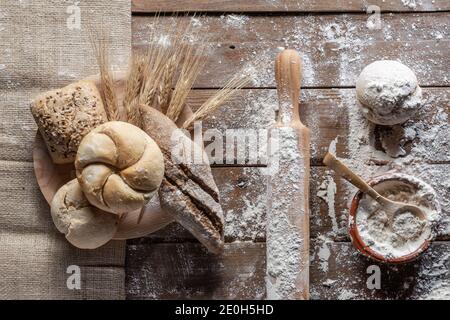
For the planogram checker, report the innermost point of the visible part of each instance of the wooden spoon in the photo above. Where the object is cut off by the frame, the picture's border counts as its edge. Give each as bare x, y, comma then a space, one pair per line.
392, 208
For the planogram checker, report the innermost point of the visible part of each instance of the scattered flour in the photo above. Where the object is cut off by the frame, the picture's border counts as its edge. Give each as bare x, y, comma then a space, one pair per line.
249, 224
196, 22
329, 283
327, 192
323, 252
234, 20
434, 273
409, 3
346, 294
332, 146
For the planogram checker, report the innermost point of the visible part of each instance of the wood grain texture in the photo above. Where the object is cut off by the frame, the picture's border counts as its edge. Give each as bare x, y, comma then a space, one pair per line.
174, 271
343, 274
188, 271
283, 6
331, 197
334, 48
243, 192
327, 112
243, 199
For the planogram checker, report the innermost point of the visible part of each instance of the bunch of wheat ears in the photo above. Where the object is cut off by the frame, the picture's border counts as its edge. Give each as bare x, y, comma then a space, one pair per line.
163, 75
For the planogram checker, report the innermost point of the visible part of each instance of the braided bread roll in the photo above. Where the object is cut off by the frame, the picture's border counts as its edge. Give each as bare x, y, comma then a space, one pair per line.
119, 167
84, 225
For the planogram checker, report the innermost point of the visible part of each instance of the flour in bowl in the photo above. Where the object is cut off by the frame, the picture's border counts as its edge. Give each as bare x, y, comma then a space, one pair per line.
398, 236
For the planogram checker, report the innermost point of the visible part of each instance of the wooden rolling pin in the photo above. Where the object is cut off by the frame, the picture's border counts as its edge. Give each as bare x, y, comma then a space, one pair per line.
287, 230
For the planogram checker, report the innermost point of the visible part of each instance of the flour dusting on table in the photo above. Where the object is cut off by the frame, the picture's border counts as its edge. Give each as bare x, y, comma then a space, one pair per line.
342, 50
327, 192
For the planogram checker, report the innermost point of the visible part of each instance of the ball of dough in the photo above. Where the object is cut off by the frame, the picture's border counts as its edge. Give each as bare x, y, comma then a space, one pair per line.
84, 225
387, 92
119, 167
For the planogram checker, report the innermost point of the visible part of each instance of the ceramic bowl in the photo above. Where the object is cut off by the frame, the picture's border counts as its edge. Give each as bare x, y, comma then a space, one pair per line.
382, 184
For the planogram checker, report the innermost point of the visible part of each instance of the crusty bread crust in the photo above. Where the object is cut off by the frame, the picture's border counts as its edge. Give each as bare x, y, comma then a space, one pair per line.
188, 191
119, 167
64, 116
84, 225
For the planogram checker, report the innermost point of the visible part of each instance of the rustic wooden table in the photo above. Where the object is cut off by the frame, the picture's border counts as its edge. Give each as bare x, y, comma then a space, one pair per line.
336, 43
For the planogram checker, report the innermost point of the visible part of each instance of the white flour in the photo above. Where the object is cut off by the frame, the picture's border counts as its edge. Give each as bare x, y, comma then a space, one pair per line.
285, 240
347, 38
234, 20
409, 3
394, 237
388, 93
323, 252
249, 223
327, 192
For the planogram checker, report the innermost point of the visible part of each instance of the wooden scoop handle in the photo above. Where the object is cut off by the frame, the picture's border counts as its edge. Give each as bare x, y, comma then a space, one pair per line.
331, 161
288, 76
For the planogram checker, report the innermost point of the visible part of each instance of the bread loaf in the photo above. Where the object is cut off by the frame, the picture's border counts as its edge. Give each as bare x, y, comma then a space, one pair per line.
188, 191
64, 116
119, 167
84, 225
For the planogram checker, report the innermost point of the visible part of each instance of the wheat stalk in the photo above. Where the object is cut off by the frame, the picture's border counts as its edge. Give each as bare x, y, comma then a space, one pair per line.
236, 83
164, 92
106, 78
133, 86
151, 76
193, 63
158, 55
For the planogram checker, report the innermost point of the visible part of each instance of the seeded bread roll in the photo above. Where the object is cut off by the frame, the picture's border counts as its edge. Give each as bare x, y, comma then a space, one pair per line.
84, 225
119, 167
64, 116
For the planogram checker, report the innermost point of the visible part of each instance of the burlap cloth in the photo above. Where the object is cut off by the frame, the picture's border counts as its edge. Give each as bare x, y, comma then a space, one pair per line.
42, 48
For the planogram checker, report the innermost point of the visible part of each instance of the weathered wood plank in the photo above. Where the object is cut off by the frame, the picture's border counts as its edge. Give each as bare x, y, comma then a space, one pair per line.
243, 192
331, 197
323, 111
285, 5
243, 199
335, 48
188, 271
338, 271
329, 113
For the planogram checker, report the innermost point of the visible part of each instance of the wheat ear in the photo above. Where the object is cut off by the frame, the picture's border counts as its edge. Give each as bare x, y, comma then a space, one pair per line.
106, 78
133, 86
193, 63
164, 92
158, 55
235, 84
